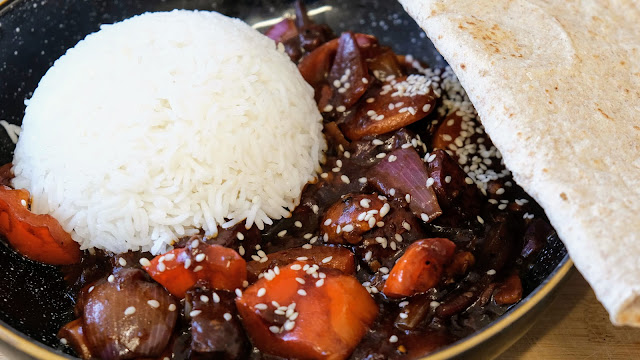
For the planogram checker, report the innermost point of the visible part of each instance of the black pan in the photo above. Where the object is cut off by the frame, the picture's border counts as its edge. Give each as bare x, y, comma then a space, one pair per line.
33, 301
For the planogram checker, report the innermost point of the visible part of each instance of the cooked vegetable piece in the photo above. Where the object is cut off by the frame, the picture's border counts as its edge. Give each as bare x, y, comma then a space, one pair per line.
352, 216
282, 31
420, 268
535, 237
338, 258
416, 312
459, 265
37, 237
126, 317
349, 77
457, 195
315, 66
179, 269
403, 171
397, 103
307, 312
216, 330
384, 63
447, 132
74, 335
311, 35
498, 245
509, 291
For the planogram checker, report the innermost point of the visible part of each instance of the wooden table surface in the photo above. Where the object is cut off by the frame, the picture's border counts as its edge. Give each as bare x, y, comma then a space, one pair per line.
575, 326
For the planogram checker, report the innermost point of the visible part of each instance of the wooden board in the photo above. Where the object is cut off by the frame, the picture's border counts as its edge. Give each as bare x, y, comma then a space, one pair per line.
575, 326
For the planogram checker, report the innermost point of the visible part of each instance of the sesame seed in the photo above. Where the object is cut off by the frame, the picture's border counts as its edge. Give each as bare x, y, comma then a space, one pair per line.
63, 341
491, 272
377, 142
200, 257
367, 256
347, 228
480, 220
296, 267
300, 280
319, 282
393, 245
370, 100
447, 179
227, 316
91, 289
238, 293
384, 210
365, 203
424, 217
403, 315
406, 226
434, 304
282, 233
345, 179
430, 182
398, 237
407, 198
122, 262
301, 292
130, 310
426, 107
392, 158
393, 339
381, 155
468, 180
274, 329
392, 192
172, 307
153, 303
145, 262
341, 108
327, 259
111, 278
241, 250
384, 270
502, 206
195, 313
500, 191
240, 236
197, 268
380, 224
289, 325
362, 180
195, 243
261, 306
215, 297
324, 175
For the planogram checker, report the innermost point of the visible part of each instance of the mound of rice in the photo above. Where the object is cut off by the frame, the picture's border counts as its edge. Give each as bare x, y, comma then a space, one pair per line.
166, 123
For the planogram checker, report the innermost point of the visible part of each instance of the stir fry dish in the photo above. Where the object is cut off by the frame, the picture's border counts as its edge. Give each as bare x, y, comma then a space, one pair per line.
413, 236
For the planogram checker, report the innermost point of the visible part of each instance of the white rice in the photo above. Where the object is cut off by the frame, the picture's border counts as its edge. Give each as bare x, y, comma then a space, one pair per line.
166, 123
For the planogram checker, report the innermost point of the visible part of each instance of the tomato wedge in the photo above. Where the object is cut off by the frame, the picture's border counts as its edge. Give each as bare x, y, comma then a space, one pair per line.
420, 268
37, 237
179, 269
307, 312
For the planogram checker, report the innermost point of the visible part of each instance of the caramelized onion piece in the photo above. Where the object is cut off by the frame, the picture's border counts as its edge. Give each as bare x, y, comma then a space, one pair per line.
315, 66
216, 330
352, 216
404, 172
282, 31
127, 317
397, 103
74, 335
349, 77
509, 291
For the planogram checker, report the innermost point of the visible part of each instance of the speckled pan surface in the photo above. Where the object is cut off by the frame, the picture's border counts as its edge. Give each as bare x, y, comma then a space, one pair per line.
33, 34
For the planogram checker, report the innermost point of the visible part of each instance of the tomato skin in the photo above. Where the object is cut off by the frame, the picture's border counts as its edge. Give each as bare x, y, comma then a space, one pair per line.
220, 267
329, 320
37, 237
420, 268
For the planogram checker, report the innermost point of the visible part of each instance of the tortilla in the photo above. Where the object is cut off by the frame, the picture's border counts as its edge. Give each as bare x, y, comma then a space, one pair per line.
557, 87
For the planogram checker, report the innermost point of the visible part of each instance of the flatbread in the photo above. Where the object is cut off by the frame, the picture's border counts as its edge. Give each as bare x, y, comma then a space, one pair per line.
557, 88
